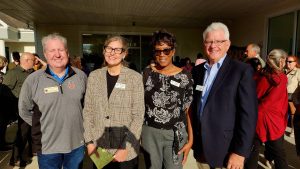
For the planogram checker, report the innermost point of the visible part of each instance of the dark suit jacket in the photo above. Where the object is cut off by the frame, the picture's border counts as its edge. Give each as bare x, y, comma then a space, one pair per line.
229, 115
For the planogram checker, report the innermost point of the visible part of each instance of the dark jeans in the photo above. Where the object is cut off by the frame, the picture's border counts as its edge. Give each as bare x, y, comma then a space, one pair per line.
274, 150
70, 160
252, 161
23, 136
132, 164
297, 132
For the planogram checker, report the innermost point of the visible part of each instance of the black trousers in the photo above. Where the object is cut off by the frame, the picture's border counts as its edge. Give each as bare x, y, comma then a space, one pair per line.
3, 123
23, 136
297, 132
274, 150
132, 164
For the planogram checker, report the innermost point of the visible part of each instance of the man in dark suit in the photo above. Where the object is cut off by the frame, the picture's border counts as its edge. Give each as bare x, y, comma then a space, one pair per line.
224, 108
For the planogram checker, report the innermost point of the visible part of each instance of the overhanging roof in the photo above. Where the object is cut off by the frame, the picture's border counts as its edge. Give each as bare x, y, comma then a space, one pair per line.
147, 13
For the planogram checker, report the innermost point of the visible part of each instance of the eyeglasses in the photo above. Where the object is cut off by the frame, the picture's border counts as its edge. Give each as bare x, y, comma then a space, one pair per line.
216, 42
165, 51
116, 50
290, 61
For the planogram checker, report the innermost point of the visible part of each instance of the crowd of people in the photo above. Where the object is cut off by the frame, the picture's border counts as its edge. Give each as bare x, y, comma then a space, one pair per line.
222, 108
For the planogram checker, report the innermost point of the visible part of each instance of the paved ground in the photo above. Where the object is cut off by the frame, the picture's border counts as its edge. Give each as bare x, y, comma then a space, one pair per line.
293, 160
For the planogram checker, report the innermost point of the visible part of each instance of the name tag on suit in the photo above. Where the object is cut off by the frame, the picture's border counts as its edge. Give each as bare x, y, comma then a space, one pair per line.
200, 88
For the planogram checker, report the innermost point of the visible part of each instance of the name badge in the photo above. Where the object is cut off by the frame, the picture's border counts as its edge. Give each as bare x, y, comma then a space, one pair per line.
48, 90
120, 86
174, 83
199, 88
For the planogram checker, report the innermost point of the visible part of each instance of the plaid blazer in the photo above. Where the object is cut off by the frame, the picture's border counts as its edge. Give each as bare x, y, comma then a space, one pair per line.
114, 123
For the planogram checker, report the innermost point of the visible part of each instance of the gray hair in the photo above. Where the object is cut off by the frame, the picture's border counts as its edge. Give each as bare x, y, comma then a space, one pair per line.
255, 47
274, 58
3, 62
121, 39
217, 26
53, 36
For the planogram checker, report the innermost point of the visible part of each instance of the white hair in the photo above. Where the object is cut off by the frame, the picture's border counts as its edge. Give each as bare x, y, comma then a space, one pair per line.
274, 58
217, 26
51, 37
255, 47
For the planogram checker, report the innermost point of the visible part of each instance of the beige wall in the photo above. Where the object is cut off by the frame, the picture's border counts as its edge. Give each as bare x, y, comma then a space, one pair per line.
188, 39
253, 29
20, 47
243, 30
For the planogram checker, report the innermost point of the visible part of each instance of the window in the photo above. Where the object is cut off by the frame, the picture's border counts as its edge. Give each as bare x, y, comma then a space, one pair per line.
280, 33
297, 53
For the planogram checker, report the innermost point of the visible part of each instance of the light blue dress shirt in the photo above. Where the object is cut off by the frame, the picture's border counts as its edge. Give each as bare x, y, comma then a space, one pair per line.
209, 78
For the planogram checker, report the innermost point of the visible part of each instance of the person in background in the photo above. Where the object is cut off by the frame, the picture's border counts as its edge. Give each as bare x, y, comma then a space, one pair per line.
272, 96
39, 63
14, 80
16, 60
51, 101
167, 133
253, 51
188, 64
292, 72
114, 107
296, 101
200, 59
4, 115
76, 62
224, 105
3, 64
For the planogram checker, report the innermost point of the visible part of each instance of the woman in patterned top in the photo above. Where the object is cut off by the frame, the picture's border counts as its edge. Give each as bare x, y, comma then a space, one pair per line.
167, 133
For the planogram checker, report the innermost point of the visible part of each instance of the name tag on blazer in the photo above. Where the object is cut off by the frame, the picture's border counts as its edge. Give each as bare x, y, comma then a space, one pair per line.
199, 88
174, 83
120, 86
51, 90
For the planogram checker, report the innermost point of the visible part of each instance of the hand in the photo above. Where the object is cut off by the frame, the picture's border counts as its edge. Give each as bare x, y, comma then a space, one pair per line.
121, 155
185, 150
235, 161
91, 148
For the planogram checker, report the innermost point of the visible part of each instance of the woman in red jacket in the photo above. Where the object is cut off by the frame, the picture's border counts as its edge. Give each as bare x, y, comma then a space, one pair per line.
272, 107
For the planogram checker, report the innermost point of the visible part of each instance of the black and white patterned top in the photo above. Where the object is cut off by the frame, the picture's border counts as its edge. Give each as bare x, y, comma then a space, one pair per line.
167, 98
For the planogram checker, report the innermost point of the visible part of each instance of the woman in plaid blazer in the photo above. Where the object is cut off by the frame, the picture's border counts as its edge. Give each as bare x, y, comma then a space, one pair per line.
114, 107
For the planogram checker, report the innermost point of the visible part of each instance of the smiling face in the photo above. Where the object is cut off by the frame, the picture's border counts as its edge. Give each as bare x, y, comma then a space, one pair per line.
114, 53
164, 54
216, 45
56, 54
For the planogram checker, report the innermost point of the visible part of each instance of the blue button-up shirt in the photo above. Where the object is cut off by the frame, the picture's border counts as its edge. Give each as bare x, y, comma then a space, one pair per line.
209, 78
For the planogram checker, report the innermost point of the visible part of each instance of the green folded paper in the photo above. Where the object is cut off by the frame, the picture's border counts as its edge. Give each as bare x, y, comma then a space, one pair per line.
104, 158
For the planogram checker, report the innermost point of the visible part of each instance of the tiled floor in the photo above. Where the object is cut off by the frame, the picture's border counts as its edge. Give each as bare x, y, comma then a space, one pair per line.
293, 160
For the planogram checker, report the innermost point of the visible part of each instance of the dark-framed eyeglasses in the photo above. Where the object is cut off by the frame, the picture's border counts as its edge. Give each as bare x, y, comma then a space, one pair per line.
290, 61
164, 51
216, 42
109, 49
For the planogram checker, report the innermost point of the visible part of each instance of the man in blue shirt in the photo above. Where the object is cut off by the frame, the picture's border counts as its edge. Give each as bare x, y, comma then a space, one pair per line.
51, 101
224, 107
